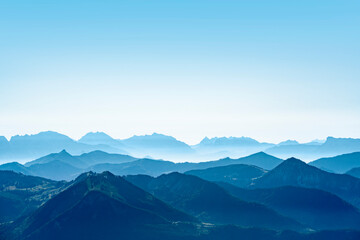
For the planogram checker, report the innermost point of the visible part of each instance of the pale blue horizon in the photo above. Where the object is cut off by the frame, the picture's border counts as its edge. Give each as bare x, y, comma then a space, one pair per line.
270, 70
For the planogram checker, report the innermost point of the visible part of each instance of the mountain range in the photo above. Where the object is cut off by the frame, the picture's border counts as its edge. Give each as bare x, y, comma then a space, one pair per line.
294, 172
316, 208
64, 166
159, 146
240, 175
171, 206
209, 202
338, 164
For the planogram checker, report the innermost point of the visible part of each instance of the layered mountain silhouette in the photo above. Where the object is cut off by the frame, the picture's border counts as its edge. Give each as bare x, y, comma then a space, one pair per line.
100, 138
28, 147
105, 206
294, 172
158, 167
230, 146
338, 164
313, 150
259, 159
315, 208
240, 175
84, 160
158, 146
64, 166
209, 202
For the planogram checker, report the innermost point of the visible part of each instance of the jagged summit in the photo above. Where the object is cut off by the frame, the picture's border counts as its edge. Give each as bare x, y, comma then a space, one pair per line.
64, 152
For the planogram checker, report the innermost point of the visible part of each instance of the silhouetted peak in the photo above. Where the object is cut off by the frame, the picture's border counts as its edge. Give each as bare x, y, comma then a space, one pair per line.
205, 140
293, 162
95, 136
288, 142
64, 153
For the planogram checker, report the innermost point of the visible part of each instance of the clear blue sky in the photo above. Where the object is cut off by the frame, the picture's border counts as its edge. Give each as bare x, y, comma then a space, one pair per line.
267, 69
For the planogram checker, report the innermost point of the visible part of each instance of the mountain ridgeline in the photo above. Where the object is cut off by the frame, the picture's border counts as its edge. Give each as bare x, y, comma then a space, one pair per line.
171, 206
64, 166
85, 190
159, 146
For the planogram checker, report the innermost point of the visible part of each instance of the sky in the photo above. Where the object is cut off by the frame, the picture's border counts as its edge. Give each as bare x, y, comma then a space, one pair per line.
268, 69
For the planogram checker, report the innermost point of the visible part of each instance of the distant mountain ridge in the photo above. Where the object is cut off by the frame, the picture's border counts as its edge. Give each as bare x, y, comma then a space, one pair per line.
28, 147
159, 146
331, 147
64, 166
338, 164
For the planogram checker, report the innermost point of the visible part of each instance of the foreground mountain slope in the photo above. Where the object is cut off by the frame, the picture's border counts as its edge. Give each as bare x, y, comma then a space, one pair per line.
103, 206
99, 206
294, 172
209, 202
338, 164
240, 175
21, 194
316, 208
